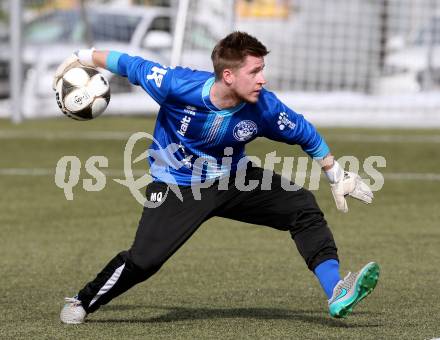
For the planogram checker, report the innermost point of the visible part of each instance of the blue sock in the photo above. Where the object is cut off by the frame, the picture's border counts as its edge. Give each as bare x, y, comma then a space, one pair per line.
327, 273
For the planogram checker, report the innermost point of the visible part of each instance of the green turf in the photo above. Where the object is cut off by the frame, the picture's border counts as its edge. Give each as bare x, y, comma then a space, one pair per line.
231, 280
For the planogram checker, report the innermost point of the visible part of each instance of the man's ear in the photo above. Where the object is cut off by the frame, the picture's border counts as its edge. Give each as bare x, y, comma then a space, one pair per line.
228, 76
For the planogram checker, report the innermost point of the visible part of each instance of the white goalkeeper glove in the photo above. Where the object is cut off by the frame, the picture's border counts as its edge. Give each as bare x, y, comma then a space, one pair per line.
345, 183
78, 58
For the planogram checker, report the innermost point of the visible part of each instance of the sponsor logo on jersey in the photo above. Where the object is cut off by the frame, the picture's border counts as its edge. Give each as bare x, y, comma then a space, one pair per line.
191, 110
284, 121
184, 124
244, 130
157, 75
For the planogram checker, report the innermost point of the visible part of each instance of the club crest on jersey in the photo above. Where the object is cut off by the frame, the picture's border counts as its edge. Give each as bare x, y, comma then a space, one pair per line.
244, 130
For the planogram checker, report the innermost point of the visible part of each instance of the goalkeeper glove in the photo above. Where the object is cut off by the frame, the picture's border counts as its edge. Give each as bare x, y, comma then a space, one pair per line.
78, 58
345, 183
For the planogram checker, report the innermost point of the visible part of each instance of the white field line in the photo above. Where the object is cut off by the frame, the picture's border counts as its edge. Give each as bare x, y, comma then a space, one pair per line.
121, 135
51, 135
394, 176
51, 172
412, 176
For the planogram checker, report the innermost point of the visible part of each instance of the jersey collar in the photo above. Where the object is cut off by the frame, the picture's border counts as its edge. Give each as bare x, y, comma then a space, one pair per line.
207, 101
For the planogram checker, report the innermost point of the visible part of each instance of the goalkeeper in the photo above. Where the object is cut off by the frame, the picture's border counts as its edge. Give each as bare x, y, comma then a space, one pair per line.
210, 116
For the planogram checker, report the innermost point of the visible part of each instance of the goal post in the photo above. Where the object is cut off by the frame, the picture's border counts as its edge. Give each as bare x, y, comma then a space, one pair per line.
16, 62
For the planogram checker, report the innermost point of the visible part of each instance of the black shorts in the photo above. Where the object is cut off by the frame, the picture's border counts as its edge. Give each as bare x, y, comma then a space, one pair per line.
165, 228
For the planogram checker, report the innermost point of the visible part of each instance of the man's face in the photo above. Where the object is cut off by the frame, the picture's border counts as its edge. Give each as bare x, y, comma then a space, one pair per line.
248, 80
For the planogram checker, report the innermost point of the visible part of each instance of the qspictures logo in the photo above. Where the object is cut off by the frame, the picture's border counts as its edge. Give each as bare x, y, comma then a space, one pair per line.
169, 159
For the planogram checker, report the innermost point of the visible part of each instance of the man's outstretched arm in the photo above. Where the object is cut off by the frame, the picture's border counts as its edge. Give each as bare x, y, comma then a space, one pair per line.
285, 125
153, 77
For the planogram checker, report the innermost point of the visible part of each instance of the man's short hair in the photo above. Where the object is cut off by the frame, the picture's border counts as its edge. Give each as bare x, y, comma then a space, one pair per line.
231, 51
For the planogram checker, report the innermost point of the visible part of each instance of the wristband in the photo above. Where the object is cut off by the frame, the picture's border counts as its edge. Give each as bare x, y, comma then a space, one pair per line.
326, 161
335, 174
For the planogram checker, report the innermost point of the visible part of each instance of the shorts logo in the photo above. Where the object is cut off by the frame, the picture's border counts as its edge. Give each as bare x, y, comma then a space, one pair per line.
284, 121
244, 130
156, 197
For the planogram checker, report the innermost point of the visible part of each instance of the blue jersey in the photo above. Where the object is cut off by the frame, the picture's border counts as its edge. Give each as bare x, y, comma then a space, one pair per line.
192, 136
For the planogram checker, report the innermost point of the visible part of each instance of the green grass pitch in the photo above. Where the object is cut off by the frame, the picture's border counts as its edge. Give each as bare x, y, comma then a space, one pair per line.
230, 280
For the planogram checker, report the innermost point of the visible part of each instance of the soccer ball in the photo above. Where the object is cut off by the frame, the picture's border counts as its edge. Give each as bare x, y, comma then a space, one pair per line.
82, 93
